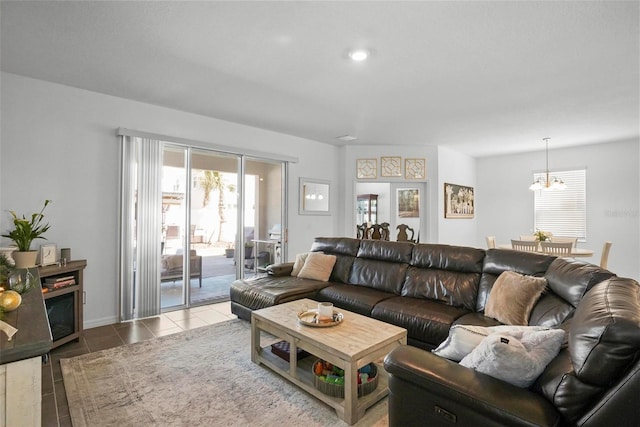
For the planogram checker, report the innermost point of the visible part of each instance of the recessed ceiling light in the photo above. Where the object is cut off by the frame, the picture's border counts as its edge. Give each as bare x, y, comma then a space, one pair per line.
359, 54
346, 138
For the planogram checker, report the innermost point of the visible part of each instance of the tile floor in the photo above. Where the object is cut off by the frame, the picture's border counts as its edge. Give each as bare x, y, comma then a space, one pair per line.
55, 410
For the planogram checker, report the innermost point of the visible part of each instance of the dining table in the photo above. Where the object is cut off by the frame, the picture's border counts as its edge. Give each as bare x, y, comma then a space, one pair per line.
575, 252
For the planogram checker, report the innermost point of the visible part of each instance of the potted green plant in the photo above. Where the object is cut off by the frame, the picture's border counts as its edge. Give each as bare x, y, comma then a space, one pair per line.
26, 231
541, 236
230, 251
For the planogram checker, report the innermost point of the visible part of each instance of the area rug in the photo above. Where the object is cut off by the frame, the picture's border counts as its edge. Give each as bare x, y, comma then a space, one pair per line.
201, 377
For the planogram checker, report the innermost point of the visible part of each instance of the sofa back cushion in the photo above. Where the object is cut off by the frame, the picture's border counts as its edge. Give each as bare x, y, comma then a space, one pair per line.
381, 265
497, 261
571, 279
604, 342
345, 249
450, 274
568, 281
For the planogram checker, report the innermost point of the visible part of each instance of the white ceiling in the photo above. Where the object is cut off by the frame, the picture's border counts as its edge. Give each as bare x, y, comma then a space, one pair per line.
479, 77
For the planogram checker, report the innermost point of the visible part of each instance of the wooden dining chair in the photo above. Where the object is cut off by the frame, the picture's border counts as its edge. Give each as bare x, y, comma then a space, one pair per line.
528, 237
385, 233
403, 235
524, 245
557, 248
361, 231
572, 240
604, 259
491, 242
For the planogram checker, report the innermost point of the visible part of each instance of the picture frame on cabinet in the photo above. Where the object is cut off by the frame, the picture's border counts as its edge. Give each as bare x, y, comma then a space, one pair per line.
48, 254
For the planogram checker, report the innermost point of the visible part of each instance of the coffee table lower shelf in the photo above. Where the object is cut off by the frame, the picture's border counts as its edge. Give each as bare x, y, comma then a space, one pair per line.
303, 378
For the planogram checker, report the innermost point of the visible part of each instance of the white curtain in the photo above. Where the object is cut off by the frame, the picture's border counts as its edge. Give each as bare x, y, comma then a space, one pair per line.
140, 227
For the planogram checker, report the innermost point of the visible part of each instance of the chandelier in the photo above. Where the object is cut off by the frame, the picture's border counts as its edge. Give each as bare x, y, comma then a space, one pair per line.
553, 183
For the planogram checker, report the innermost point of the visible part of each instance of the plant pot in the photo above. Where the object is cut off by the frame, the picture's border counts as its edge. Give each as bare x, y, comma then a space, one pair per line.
229, 253
25, 259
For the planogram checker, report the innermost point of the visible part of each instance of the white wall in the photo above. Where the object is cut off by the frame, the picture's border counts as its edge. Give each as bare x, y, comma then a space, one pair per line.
60, 143
456, 168
504, 204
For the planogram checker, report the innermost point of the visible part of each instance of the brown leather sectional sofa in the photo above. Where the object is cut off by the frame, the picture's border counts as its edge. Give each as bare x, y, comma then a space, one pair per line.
427, 288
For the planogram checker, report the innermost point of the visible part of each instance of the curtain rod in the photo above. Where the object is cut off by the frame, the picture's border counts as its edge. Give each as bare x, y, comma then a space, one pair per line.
207, 145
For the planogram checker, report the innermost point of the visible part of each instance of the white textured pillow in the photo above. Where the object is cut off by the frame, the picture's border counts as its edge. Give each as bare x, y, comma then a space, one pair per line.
519, 358
463, 339
297, 265
317, 266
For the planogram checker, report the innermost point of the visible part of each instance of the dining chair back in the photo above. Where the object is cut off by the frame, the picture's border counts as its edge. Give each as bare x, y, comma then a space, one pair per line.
361, 231
524, 245
557, 248
491, 242
403, 233
572, 240
604, 259
528, 237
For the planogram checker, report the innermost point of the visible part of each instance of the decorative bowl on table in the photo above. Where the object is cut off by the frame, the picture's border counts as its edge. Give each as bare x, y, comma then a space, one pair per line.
329, 379
309, 317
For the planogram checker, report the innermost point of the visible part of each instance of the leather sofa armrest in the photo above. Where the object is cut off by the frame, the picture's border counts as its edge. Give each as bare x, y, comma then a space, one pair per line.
282, 269
469, 397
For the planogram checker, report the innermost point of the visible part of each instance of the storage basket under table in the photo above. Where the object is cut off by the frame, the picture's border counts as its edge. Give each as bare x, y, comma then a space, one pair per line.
337, 390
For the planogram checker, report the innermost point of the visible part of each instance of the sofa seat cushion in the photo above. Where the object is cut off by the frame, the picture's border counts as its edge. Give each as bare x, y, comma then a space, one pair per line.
261, 292
425, 321
358, 299
477, 319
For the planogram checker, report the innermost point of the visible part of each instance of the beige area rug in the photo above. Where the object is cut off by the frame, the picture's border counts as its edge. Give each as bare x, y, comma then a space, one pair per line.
201, 377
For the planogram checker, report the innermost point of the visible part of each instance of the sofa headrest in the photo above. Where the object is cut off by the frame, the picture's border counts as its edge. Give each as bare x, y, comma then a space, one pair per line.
532, 264
447, 257
572, 279
386, 251
336, 245
604, 338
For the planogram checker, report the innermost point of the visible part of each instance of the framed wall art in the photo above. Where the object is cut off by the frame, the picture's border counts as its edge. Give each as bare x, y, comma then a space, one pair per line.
367, 168
408, 202
314, 198
415, 168
391, 166
458, 201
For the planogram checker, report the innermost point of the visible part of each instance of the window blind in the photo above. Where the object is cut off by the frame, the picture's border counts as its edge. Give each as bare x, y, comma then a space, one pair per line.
564, 212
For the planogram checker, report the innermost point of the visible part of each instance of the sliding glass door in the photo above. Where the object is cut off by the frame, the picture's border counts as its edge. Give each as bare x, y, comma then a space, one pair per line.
199, 218
217, 217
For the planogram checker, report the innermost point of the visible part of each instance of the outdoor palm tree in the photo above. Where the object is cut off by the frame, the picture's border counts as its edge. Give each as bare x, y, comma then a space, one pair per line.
210, 181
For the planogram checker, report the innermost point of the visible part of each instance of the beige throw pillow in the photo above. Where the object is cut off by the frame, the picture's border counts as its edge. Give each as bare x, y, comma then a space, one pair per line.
318, 266
299, 262
513, 296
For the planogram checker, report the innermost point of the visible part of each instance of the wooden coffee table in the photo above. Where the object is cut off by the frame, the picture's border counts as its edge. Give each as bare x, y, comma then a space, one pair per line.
356, 342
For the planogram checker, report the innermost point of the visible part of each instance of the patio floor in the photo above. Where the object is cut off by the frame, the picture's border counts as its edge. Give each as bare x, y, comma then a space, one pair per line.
218, 272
